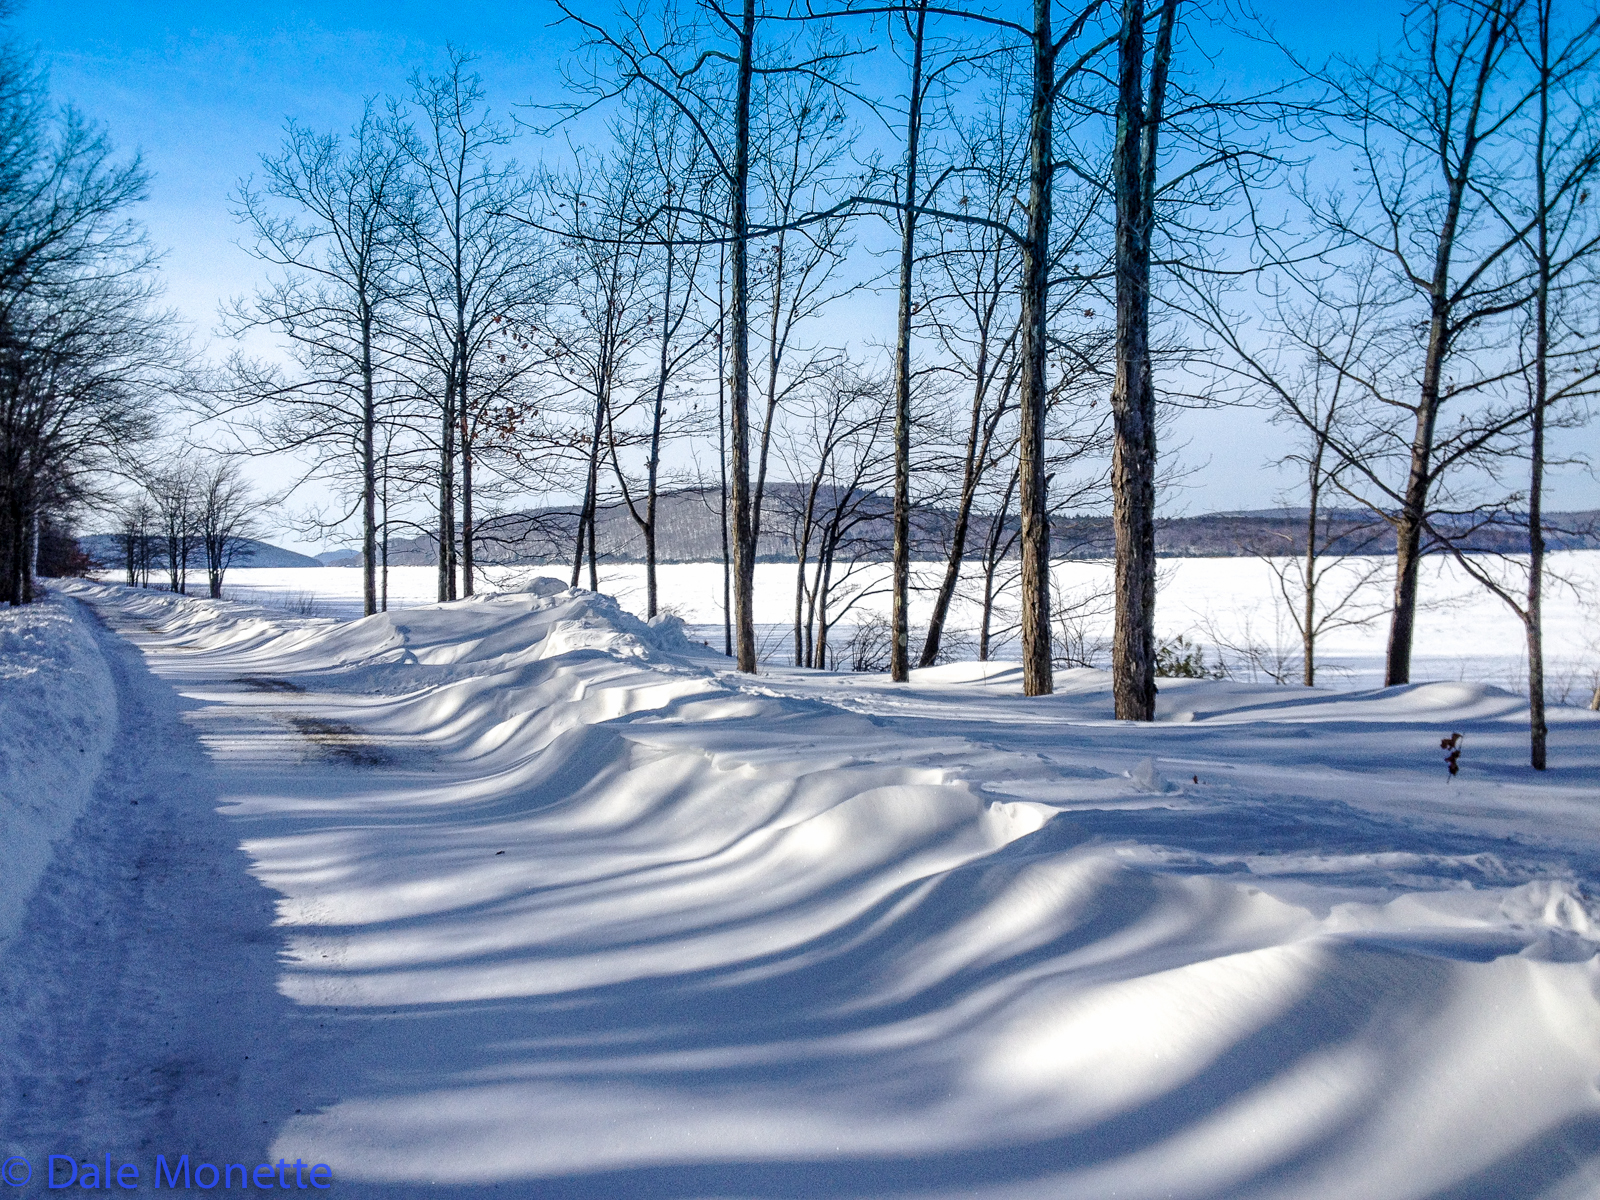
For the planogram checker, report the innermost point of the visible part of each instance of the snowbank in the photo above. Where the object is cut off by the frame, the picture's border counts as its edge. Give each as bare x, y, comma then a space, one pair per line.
58, 714
596, 916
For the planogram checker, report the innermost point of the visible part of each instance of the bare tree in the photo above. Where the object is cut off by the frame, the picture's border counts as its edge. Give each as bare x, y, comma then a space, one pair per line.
225, 518
676, 51
1133, 460
175, 499
673, 265
1559, 345
474, 266
603, 317
135, 541
338, 255
84, 357
1431, 135
837, 449
796, 275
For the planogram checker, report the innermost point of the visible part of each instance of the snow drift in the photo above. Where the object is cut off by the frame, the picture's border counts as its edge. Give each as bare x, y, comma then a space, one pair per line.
597, 917
58, 713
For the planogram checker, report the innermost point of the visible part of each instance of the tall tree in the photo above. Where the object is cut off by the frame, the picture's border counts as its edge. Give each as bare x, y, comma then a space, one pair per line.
83, 354
599, 208
1559, 350
968, 294
337, 248
675, 336
1429, 133
225, 518
703, 59
1057, 64
473, 267
1133, 461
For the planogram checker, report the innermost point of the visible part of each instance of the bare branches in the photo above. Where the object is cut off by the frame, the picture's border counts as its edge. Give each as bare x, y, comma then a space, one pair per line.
84, 357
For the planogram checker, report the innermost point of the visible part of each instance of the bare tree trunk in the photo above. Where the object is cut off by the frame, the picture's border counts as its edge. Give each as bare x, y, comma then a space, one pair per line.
1538, 728
1037, 679
825, 557
1419, 480
12, 547
652, 594
744, 546
802, 553
1133, 457
1308, 629
986, 622
992, 556
369, 472
594, 567
383, 540
577, 553
1408, 552
467, 525
383, 599
979, 436
801, 648
590, 499
722, 457
447, 497
900, 649
653, 467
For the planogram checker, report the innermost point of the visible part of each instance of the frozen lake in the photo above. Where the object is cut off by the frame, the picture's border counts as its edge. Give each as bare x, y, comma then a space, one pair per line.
1463, 632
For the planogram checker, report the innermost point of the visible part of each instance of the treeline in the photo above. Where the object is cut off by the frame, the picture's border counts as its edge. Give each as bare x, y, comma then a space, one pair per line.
689, 531
1073, 216
85, 357
192, 512
969, 258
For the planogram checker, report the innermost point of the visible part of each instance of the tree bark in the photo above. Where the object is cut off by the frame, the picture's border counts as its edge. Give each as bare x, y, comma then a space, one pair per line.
722, 454
447, 494
369, 472
1133, 456
979, 436
900, 648
12, 547
1538, 727
744, 547
1037, 678
467, 527
1308, 629
1419, 478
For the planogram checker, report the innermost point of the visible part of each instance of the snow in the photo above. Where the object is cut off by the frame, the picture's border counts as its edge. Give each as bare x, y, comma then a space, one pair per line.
57, 714
563, 907
1463, 633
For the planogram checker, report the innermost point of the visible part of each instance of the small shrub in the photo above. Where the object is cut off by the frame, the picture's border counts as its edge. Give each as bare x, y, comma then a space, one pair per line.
870, 643
1179, 658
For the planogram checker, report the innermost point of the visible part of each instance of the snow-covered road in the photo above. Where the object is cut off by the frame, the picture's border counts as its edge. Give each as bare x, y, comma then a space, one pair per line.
141, 1012
520, 897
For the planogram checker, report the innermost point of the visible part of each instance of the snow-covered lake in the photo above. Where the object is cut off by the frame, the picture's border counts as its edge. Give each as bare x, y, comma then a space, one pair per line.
1463, 632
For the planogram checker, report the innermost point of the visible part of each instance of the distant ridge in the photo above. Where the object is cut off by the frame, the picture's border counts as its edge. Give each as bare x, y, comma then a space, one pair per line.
106, 550
689, 530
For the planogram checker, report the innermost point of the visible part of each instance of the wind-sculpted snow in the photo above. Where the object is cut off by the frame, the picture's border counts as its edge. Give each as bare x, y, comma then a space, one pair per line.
58, 712
596, 917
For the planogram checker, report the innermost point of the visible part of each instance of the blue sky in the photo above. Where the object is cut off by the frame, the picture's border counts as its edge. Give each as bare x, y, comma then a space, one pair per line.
202, 89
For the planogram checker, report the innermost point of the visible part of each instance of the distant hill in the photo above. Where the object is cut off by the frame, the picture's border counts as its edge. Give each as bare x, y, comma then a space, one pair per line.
106, 550
689, 530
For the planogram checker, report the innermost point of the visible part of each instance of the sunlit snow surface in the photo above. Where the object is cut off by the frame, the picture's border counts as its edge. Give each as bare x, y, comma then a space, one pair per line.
1463, 632
593, 916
